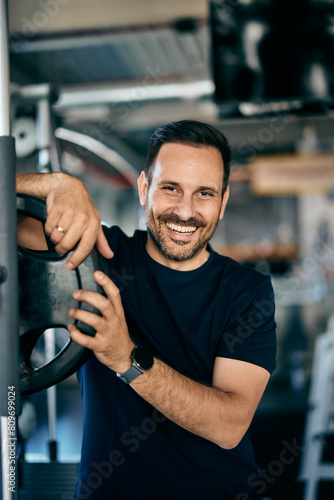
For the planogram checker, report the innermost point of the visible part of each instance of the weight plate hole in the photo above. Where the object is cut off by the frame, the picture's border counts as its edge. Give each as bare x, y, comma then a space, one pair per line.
48, 346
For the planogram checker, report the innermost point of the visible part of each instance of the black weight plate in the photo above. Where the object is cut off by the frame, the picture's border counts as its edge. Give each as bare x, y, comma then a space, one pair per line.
46, 288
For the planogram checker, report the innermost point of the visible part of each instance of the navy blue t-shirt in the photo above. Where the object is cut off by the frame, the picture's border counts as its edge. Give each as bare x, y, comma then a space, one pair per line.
187, 319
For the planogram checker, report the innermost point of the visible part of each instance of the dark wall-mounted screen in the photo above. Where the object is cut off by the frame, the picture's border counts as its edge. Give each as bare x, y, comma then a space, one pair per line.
273, 50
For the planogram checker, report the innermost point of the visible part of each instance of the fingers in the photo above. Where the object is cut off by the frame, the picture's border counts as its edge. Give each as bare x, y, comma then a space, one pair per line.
66, 236
86, 244
52, 222
80, 338
111, 344
103, 245
57, 233
94, 299
86, 317
111, 291
65, 239
73, 221
89, 319
108, 306
103, 304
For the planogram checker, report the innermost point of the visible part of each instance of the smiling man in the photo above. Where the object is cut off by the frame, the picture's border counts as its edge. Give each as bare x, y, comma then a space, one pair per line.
184, 349
183, 202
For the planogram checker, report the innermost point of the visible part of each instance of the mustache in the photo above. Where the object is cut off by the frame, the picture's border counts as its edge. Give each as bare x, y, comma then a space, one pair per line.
175, 219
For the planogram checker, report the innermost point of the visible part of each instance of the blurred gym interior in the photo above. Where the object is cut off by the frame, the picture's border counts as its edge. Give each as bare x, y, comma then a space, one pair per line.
89, 83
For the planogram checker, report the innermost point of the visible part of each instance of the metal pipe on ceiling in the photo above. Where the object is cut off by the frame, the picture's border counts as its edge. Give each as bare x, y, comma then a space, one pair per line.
83, 96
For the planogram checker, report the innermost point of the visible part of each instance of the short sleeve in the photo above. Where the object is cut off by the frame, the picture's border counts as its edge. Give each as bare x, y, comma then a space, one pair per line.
250, 335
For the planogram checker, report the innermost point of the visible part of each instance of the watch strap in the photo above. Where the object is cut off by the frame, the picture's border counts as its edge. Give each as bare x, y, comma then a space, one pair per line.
142, 361
131, 374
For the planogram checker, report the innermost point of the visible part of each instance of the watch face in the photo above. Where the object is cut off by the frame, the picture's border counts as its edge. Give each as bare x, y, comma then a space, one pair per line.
143, 357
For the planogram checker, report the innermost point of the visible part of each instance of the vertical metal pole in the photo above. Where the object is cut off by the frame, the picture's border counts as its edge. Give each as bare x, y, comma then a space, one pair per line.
10, 405
4, 73
43, 133
51, 394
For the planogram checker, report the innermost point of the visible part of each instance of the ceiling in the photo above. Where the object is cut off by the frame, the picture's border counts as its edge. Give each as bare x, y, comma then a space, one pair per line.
107, 59
86, 15
115, 66
69, 42
122, 67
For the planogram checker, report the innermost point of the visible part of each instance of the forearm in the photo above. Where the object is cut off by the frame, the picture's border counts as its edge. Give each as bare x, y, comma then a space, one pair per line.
30, 232
39, 185
69, 207
211, 413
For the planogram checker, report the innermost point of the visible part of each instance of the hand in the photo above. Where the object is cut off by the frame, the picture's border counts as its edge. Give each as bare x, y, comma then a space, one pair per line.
71, 209
112, 344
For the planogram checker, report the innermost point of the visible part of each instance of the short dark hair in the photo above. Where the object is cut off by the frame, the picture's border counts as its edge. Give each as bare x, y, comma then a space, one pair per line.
190, 133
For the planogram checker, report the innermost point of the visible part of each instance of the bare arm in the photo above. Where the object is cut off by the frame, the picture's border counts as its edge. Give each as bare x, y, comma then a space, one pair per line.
30, 233
221, 413
39, 185
69, 206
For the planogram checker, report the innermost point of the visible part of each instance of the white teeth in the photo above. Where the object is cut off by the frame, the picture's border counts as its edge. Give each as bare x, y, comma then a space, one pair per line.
181, 229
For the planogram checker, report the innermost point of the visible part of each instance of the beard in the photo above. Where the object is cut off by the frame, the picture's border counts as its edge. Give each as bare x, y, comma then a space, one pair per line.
175, 249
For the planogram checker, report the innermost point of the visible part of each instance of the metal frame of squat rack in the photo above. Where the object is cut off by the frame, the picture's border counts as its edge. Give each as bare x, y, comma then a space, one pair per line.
10, 404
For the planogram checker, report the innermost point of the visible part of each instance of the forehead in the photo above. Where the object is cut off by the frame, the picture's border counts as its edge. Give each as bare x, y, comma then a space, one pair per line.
183, 163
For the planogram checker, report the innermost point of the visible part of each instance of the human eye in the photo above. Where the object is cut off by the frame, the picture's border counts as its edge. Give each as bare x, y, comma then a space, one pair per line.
205, 194
170, 189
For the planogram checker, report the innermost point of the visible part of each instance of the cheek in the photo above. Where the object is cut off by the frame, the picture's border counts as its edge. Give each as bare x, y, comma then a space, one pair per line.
154, 200
210, 212
159, 203
212, 220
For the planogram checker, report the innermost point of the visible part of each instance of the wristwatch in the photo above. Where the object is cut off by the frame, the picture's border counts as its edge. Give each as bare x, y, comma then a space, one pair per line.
142, 360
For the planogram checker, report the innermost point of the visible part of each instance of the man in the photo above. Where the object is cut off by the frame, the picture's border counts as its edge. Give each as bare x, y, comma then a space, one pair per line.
184, 348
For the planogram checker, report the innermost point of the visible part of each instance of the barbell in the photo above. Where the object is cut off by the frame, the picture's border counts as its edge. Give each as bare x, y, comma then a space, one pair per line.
45, 296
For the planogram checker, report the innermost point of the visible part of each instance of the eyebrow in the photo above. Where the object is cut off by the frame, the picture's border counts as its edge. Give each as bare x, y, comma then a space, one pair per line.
177, 184
172, 183
207, 188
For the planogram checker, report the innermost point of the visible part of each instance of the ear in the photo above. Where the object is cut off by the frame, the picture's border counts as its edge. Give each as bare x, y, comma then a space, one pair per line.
225, 198
142, 188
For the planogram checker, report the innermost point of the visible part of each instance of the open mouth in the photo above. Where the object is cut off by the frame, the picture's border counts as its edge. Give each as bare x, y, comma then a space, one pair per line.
181, 230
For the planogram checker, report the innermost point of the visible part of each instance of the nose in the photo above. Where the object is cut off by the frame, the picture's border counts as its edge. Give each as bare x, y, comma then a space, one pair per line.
185, 207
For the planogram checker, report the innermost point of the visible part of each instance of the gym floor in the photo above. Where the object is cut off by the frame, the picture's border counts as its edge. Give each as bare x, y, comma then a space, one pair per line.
68, 424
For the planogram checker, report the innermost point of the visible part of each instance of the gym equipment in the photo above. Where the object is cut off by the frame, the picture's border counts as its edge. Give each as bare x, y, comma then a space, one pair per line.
45, 296
24, 131
319, 426
9, 346
47, 481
